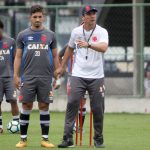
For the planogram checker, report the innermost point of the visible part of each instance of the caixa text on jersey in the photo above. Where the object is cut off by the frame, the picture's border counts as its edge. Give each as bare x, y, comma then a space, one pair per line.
5, 52
37, 46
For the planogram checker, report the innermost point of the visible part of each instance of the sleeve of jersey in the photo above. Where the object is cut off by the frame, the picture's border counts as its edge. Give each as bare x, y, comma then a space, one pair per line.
72, 40
104, 36
19, 41
14, 48
54, 43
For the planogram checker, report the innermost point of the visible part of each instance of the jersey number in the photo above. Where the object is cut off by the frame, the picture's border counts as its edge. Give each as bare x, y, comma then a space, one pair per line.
37, 53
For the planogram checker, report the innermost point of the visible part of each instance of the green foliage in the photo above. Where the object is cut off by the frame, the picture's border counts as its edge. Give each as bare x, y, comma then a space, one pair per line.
121, 132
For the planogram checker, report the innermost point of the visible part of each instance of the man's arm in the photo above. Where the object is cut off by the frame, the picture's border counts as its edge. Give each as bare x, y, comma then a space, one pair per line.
17, 64
56, 60
62, 52
67, 55
100, 47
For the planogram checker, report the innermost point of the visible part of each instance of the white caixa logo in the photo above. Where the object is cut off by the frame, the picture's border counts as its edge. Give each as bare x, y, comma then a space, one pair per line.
37, 46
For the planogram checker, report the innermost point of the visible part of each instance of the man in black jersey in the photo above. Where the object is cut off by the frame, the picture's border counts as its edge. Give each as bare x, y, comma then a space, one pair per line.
36, 59
7, 88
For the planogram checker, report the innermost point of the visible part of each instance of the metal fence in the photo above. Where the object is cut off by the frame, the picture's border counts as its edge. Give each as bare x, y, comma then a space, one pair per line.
116, 18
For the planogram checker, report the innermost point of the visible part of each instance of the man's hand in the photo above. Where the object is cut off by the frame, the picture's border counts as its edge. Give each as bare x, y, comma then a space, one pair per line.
17, 81
59, 72
82, 43
57, 83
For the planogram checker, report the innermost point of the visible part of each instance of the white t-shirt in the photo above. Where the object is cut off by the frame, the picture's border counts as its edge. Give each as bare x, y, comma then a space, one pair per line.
92, 67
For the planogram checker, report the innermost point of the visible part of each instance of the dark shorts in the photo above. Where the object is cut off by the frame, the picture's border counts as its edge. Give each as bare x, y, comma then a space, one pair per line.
7, 88
35, 88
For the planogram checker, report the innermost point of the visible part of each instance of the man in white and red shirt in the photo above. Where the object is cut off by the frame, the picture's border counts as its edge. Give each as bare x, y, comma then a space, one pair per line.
90, 41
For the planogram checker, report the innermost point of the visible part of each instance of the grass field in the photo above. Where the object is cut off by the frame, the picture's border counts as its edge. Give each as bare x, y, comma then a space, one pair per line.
121, 132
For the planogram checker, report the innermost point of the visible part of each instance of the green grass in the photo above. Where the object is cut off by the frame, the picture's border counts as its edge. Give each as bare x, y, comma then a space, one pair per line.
121, 132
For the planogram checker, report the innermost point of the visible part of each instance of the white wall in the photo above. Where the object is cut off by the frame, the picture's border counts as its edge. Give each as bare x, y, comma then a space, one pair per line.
130, 105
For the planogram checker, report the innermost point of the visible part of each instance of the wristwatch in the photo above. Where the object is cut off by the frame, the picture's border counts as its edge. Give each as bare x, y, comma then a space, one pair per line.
89, 45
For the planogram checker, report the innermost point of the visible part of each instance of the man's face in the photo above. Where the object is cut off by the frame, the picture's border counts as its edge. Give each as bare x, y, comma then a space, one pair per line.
90, 17
37, 19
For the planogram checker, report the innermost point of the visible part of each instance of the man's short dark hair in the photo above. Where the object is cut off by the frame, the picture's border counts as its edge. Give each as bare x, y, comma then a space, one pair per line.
1, 24
36, 8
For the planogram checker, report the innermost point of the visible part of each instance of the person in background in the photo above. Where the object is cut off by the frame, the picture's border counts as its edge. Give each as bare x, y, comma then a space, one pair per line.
147, 80
68, 70
7, 87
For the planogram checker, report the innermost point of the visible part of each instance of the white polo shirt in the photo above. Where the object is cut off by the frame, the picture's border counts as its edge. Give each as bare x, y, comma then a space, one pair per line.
92, 67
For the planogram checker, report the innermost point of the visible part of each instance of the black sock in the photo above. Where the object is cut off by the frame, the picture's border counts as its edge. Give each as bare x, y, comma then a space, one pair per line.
1, 122
16, 118
44, 121
24, 122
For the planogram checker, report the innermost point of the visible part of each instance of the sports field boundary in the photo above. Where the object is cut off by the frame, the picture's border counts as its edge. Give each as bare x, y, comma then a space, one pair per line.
112, 105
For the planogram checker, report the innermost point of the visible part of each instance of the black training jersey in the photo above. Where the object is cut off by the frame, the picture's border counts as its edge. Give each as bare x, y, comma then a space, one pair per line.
7, 53
37, 59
